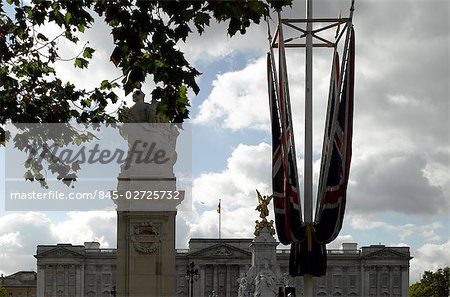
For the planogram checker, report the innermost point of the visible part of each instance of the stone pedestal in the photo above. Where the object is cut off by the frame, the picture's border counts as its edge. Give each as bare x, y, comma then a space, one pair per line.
264, 276
146, 199
146, 254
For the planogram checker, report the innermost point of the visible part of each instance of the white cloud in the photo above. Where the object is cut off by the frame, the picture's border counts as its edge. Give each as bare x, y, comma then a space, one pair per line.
87, 226
395, 182
429, 257
370, 222
401, 126
216, 44
21, 233
337, 243
238, 98
427, 232
10, 239
246, 171
100, 67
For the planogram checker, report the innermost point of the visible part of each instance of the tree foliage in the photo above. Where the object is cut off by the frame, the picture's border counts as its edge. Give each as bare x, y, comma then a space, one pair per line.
432, 284
3, 292
145, 36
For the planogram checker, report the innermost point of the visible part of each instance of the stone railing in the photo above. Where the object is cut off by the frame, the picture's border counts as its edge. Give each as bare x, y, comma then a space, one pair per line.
101, 251
329, 252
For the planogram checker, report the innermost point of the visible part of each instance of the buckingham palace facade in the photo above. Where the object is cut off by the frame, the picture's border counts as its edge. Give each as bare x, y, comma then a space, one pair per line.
88, 270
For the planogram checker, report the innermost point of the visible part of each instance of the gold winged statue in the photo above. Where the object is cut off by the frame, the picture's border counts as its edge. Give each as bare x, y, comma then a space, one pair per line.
263, 203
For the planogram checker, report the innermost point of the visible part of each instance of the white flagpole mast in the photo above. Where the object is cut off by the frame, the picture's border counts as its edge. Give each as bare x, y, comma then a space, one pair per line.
308, 115
308, 279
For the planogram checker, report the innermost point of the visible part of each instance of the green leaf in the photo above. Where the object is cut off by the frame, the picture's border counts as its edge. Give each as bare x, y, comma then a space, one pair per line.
28, 175
202, 18
88, 51
114, 98
78, 141
68, 18
81, 63
105, 84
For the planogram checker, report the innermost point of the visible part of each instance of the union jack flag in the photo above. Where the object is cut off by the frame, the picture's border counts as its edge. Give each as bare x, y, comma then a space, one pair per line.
288, 218
308, 241
336, 152
279, 200
294, 223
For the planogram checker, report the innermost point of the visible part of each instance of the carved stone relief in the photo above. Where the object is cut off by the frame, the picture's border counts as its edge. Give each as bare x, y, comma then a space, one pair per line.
145, 238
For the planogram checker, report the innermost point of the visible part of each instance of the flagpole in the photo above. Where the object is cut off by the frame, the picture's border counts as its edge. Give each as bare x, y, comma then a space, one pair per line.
308, 279
220, 218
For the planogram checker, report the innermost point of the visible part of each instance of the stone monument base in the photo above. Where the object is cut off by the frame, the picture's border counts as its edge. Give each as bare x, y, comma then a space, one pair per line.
264, 277
146, 254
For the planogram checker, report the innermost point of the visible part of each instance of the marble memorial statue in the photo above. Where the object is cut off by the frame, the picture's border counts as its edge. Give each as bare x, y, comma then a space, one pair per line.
265, 282
142, 112
151, 143
264, 277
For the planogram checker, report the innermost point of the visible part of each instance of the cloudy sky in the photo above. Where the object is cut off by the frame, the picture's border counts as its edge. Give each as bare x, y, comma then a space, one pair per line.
399, 186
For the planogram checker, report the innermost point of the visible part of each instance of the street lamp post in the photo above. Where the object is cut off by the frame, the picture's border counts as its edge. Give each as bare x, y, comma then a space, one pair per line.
191, 276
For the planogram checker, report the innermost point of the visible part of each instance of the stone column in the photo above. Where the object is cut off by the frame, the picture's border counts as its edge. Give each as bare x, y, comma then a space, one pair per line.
405, 280
391, 278
378, 277
82, 282
228, 280
66, 280
362, 289
367, 270
54, 277
202, 280
77, 280
216, 278
41, 280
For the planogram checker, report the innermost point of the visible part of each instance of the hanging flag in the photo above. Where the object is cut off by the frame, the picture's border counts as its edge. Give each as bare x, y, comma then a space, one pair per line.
308, 241
218, 207
309, 256
293, 216
279, 200
336, 154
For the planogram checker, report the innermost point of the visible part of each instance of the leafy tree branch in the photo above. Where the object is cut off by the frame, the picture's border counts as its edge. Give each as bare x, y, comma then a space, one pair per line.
145, 35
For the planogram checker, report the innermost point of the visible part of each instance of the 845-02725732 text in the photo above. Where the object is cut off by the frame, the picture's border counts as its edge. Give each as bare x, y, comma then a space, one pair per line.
97, 194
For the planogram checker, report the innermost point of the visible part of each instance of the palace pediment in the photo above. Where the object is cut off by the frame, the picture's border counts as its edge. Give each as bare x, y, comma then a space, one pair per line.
59, 252
387, 253
221, 251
